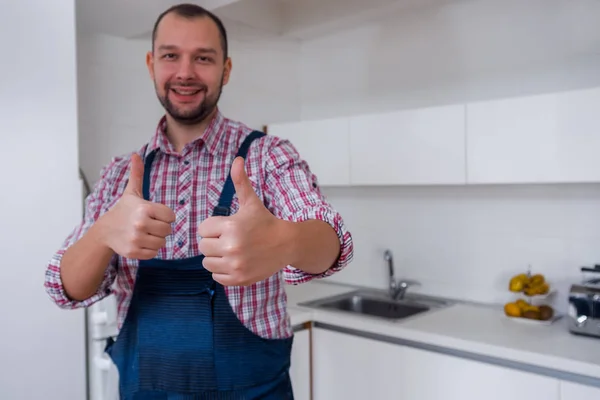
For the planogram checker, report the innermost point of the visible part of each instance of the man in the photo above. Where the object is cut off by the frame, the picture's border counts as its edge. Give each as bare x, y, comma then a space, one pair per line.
196, 233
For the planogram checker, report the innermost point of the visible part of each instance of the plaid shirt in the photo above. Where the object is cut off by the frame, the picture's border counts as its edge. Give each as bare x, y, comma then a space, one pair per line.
190, 184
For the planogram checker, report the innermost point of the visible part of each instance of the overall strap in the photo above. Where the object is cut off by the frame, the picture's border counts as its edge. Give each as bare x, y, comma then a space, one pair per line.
223, 208
147, 164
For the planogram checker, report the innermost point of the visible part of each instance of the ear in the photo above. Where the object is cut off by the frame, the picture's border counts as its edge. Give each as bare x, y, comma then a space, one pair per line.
150, 64
227, 71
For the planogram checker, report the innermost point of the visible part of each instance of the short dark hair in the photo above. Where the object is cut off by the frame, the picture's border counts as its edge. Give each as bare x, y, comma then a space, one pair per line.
190, 11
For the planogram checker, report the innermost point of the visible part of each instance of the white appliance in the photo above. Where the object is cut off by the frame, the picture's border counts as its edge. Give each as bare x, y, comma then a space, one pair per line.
101, 324
102, 374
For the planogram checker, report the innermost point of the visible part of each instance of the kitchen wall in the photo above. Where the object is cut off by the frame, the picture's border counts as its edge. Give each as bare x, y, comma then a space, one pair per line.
41, 347
119, 109
464, 51
461, 241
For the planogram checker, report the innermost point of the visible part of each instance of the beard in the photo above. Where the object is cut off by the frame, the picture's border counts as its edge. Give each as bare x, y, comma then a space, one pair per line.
195, 115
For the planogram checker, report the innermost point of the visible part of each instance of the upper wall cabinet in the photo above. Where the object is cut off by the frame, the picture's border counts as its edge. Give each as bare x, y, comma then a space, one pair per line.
538, 139
323, 144
552, 138
424, 146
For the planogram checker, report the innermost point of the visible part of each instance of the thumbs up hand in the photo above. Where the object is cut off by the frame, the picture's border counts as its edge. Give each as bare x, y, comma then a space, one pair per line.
248, 246
134, 227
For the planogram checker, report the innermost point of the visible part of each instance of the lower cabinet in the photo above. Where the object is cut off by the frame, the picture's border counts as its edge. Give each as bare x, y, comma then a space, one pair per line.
351, 367
300, 365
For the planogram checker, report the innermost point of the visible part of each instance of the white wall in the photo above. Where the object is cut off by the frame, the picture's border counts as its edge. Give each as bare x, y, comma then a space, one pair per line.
460, 241
41, 347
463, 51
119, 109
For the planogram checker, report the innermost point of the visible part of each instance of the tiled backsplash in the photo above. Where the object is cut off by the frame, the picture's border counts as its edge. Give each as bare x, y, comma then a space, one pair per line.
467, 242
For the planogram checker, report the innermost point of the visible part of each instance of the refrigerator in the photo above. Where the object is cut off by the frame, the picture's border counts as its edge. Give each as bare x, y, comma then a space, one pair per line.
101, 324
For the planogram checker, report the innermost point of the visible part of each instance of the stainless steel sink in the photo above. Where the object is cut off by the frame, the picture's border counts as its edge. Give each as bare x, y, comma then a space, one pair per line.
375, 304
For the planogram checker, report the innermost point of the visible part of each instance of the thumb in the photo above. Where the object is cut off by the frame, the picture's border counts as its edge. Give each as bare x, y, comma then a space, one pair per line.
136, 176
241, 182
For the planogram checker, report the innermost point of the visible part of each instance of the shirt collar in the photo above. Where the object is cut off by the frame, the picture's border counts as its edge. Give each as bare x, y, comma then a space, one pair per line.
211, 138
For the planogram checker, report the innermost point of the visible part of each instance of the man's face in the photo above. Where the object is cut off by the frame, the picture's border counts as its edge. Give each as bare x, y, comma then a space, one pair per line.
187, 67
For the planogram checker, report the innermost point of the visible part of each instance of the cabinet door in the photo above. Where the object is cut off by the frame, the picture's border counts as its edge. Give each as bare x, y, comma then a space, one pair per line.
300, 365
351, 367
539, 139
425, 146
577, 391
324, 144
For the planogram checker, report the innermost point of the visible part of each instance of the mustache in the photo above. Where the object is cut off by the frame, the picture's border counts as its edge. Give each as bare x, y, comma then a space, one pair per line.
193, 85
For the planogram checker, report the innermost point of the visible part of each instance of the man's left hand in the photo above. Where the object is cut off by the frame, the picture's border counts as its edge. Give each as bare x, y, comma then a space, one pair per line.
250, 245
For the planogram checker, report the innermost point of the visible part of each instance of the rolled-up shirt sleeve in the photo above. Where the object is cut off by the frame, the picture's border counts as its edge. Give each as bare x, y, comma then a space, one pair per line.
292, 193
53, 284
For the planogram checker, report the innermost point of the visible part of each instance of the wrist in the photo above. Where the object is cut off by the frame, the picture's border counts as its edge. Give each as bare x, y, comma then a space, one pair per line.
289, 237
311, 246
100, 232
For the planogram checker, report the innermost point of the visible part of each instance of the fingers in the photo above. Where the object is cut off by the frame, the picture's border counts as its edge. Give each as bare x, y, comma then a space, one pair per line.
243, 186
161, 212
136, 176
142, 246
226, 280
150, 242
211, 247
212, 227
222, 273
143, 254
157, 228
216, 265
154, 219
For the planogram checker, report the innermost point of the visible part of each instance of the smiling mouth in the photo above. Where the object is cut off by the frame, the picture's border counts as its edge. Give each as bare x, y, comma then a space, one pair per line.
186, 92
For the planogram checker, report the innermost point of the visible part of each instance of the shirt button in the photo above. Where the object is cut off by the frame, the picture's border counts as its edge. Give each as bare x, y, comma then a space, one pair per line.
186, 162
181, 202
180, 243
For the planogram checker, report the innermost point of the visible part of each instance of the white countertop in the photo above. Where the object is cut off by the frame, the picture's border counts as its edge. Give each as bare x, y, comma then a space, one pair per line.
467, 327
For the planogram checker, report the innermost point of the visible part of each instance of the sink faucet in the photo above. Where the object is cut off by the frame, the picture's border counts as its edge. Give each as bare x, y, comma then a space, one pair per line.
397, 288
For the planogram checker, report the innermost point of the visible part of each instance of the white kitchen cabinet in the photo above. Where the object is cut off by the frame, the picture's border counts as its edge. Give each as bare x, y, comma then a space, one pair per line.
538, 139
300, 365
550, 138
324, 144
577, 391
422, 146
351, 367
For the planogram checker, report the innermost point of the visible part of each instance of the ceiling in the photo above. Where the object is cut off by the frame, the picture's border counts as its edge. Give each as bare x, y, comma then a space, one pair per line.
295, 19
127, 18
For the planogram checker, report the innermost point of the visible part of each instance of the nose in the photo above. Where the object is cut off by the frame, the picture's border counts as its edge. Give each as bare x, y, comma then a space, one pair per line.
185, 69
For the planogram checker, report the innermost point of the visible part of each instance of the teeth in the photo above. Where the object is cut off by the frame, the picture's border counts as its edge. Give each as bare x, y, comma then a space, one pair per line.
186, 92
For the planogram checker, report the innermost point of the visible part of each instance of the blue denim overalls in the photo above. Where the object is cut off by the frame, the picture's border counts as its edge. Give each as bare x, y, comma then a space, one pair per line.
181, 339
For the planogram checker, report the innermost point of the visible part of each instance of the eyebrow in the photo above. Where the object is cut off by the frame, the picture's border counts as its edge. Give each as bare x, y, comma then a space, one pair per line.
170, 47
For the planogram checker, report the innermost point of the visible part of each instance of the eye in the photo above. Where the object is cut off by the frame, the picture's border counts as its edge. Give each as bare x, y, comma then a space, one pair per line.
168, 56
204, 59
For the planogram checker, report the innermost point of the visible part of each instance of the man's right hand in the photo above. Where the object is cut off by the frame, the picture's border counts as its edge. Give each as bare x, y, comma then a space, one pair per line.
134, 227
